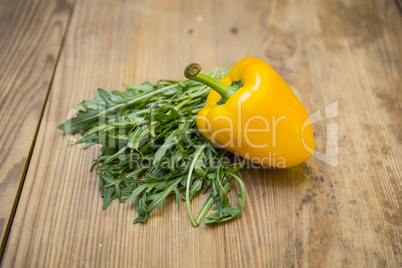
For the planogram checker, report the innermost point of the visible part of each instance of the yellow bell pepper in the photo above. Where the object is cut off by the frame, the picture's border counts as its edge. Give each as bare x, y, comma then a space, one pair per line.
254, 113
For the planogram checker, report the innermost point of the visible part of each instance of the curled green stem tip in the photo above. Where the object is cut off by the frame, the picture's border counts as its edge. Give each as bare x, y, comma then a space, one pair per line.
192, 70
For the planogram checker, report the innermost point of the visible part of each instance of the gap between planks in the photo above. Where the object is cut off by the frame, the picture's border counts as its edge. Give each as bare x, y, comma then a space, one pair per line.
34, 139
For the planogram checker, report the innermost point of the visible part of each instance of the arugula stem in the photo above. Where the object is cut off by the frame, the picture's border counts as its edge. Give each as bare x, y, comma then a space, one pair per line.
126, 104
181, 104
190, 172
242, 191
204, 210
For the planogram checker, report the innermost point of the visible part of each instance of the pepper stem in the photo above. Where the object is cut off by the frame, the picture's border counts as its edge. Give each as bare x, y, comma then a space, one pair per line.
192, 72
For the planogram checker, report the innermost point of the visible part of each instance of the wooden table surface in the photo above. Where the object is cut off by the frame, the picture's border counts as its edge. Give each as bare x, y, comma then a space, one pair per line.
339, 209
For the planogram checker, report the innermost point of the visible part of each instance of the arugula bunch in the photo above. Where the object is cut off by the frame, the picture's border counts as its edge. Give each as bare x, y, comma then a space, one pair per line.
151, 148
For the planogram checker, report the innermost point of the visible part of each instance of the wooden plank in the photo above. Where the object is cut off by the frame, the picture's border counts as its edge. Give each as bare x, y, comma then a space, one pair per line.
310, 215
31, 35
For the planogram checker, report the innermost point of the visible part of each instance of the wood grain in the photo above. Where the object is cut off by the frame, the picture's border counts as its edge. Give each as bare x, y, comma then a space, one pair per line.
31, 35
310, 215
